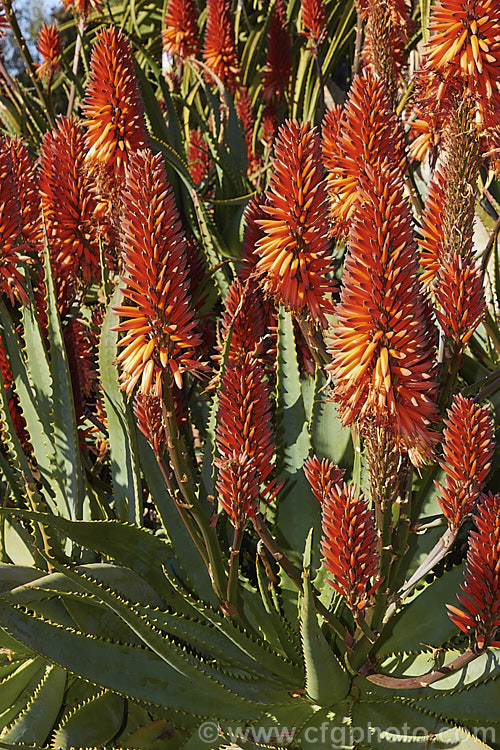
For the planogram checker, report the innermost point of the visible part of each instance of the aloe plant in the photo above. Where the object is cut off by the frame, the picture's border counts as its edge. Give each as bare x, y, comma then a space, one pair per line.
247, 456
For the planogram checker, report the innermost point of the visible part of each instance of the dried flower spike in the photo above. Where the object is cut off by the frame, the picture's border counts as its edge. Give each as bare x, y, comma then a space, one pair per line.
159, 322
50, 48
382, 350
481, 587
467, 451
296, 263
219, 50
349, 545
113, 107
244, 438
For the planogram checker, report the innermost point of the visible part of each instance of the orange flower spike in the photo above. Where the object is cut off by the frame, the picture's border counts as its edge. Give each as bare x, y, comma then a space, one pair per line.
465, 41
27, 193
159, 323
244, 438
69, 204
219, 50
180, 35
364, 133
295, 258
381, 347
149, 415
113, 107
314, 21
349, 545
11, 225
322, 476
481, 587
467, 452
50, 48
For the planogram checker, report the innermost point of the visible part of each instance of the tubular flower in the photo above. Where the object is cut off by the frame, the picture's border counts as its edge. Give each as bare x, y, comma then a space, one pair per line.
244, 439
467, 451
69, 206
323, 476
159, 322
459, 297
382, 349
11, 278
465, 42
431, 241
277, 73
219, 50
112, 106
349, 545
80, 352
180, 35
50, 48
365, 133
481, 587
313, 21
295, 258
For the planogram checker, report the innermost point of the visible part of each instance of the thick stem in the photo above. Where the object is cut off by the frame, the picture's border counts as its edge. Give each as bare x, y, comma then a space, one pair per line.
409, 683
234, 566
178, 461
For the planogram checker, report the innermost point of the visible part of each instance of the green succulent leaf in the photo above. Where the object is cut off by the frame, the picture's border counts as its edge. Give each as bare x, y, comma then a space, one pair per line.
95, 722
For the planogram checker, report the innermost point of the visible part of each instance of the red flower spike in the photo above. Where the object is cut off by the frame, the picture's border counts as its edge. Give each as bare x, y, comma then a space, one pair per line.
459, 298
244, 439
50, 48
349, 545
467, 451
199, 161
11, 225
314, 21
159, 322
295, 258
27, 193
252, 233
219, 50
180, 35
365, 133
80, 351
323, 476
481, 587
69, 206
431, 240
382, 349
246, 316
276, 76
247, 117
465, 43
113, 107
